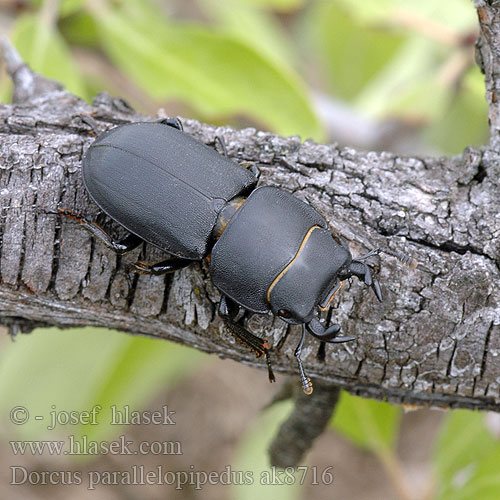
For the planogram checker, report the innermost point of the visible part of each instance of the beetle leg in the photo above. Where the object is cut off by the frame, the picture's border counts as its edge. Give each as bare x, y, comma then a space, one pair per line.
249, 165
163, 267
252, 166
255, 170
172, 122
88, 120
321, 354
123, 245
307, 386
257, 345
222, 144
240, 314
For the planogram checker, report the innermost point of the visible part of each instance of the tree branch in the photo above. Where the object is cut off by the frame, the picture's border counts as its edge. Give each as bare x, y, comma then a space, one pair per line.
435, 338
488, 59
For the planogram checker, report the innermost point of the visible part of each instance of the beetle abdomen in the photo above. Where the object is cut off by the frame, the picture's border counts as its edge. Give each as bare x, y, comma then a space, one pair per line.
260, 240
162, 185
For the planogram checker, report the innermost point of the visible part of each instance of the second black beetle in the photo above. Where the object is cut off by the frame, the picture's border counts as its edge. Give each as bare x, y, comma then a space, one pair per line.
269, 251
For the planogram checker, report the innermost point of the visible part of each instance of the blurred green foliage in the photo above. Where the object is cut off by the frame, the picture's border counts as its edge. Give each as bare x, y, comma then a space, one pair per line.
255, 62
47, 52
215, 72
259, 61
251, 455
466, 458
77, 369
373, 425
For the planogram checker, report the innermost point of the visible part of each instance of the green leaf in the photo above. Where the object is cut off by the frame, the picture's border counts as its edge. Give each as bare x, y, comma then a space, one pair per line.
42, 47
480, 480
65, 7
407, 83
75, 370
454, 14
370, 424
464, 121
252, 457
254, 26
5, 90
463, 439
390, 58
69, 7
279, 5
350, 54
214, 72
80, 29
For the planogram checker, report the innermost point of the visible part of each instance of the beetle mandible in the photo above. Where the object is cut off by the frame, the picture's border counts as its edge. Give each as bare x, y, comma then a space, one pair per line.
268, 250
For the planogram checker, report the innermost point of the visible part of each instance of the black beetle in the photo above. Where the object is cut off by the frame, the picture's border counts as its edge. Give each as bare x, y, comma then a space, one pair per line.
268, 250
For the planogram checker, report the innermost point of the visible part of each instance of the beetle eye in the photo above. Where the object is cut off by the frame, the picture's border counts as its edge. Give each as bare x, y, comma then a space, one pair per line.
284, 313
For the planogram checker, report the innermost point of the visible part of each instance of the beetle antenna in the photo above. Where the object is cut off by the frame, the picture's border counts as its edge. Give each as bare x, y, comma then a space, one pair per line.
408, 261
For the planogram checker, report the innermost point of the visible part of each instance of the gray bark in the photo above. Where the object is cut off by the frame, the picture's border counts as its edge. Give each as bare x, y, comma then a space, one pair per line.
433, 341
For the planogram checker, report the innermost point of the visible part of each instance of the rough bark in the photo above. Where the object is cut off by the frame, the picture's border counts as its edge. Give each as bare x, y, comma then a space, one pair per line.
435, 338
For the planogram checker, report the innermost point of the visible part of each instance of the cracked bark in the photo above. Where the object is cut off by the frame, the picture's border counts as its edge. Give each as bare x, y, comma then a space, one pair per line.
433, 341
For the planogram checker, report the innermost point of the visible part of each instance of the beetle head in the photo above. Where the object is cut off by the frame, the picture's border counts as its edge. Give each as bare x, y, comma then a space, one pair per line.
309, 280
